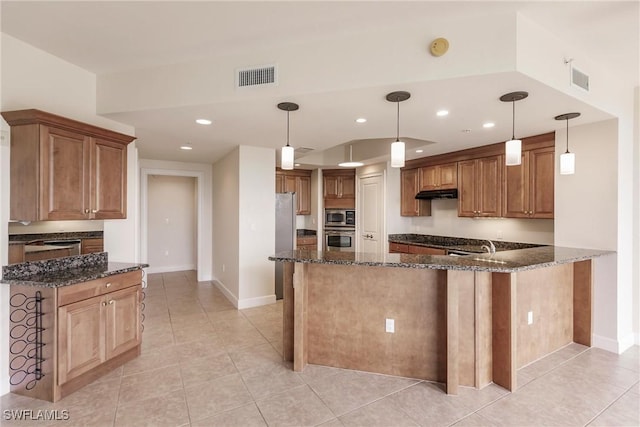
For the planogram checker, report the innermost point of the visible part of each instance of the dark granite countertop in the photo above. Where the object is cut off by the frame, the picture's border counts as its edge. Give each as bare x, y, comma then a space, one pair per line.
456, 243
507, 261
65, 271
23, 238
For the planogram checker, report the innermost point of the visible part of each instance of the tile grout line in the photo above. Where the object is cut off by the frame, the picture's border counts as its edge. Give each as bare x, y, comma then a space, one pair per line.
611, 404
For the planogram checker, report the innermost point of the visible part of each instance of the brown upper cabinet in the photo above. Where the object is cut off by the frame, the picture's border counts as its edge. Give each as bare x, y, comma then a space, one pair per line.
439, 177
409, 187
528, 187
296, 181
480, 187
486, 186
65, 170
339, 186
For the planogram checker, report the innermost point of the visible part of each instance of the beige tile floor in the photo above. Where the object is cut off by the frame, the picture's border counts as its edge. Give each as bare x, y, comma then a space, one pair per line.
206, 364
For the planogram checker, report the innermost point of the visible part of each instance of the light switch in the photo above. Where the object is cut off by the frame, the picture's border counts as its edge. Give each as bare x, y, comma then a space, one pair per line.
390, 326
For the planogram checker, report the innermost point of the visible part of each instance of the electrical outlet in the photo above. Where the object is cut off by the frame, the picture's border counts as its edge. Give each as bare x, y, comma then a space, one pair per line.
166, 253
529, 317
223, 268
499, 235
166, 220
390, 326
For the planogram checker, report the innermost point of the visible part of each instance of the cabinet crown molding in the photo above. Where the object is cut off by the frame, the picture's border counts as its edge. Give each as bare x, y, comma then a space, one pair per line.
33, 116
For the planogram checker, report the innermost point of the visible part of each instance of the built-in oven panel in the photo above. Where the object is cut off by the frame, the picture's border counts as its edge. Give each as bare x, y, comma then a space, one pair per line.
339, 240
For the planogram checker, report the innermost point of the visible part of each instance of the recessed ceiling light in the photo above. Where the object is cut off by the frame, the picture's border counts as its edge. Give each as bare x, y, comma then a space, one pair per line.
488, 125
361, 120
186, 147
203, 121
442, 113
419, 151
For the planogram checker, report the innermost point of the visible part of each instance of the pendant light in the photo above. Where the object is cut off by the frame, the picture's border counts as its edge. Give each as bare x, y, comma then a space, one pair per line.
286, 153
397, 147
513, 147
350, 163
567, 160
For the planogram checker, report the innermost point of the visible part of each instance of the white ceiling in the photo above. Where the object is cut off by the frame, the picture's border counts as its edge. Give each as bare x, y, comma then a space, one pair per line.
110, 37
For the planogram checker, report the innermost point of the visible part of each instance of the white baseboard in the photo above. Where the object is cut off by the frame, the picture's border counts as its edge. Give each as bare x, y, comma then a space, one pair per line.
614, 346
170, 269
226, 292
256, 301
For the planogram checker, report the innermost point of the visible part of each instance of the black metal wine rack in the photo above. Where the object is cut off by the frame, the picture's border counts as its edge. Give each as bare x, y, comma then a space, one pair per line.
142, 303
26, 333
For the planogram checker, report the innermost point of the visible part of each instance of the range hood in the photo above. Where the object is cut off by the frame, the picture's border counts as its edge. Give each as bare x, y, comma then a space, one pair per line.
438, 194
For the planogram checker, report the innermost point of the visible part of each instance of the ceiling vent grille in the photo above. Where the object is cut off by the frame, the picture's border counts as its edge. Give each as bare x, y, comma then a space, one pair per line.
302, 150
257, 76
579, 79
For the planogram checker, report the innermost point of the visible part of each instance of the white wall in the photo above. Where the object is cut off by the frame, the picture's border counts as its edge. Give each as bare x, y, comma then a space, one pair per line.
257, 226
32, 78
171, 222
55, 227
4, 218
226, 209
636, 216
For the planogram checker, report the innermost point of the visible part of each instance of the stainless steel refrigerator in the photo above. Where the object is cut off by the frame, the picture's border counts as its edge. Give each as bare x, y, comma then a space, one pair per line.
285, 232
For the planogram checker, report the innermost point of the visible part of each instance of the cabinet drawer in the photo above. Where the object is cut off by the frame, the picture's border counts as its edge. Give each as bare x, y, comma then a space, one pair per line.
305, 241
425, 250
398, 248
81, 291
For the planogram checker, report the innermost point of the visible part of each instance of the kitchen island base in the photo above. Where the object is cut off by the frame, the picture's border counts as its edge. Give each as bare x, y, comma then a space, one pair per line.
458, 327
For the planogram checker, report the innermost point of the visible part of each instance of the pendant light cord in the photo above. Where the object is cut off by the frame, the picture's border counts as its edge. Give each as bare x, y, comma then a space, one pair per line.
398, 123
567, 135
513, 122
287, 128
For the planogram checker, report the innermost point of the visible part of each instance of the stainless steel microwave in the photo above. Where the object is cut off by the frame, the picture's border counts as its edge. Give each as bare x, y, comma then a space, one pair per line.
340, 218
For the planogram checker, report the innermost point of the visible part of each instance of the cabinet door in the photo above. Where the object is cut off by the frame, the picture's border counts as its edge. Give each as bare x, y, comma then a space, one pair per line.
90, 246
122, 321
429, 179
489, 181
289, 184
303, 195
108, 180
80, 338
541, 182
347, 187
447, 176
279, 183
64, 175
330, 186
467, 188
408, 189
516, 189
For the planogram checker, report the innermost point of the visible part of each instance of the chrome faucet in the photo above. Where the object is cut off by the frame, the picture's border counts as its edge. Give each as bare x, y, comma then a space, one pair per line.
491, 248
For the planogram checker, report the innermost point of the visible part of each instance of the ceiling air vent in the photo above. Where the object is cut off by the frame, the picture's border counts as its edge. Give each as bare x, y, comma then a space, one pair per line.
579, 79
256, 76
302, 150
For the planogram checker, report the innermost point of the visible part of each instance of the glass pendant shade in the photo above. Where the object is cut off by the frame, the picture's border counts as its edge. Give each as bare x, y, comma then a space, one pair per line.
513, 152
567, 163
397, 154
286, 159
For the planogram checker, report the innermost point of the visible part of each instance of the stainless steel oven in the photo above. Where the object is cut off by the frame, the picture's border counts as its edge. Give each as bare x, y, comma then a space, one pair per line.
340, 218
339, 239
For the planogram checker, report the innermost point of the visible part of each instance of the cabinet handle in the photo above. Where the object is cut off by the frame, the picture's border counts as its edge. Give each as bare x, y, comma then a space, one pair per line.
104, 304
107, 285
111, 302
94, 210
86, 211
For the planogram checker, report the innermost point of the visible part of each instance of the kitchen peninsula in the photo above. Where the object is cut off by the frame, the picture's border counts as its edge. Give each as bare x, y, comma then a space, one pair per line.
72, 320
465, 320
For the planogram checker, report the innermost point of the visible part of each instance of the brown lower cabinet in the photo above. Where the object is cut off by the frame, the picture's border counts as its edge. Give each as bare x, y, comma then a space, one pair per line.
93, 245
403, 248
307, 242
90, 328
